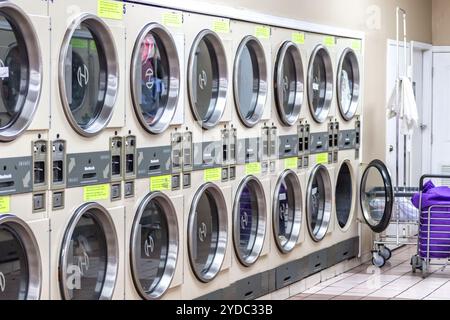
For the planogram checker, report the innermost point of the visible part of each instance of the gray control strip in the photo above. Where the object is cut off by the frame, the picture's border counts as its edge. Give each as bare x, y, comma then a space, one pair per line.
347, 140
318, 142
15, 175
88, 168
249, 150
153, 161
288, 146
207, 155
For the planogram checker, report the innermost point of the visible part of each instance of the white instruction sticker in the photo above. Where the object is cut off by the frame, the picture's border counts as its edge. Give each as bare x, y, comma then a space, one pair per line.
4, 72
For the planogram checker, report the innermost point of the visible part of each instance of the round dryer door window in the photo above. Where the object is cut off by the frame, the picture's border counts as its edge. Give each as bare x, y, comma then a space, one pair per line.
320, 83
20, 71
348, 84
154, 246
89, 255
207, 79
249, 220
250, 81
344, 194
287, 211
207, 227
318, 203
155, 76
88, 75
289, 83
20, 262
376, 196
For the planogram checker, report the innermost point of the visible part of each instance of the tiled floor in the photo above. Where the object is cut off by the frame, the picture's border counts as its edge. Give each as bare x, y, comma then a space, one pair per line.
394, 281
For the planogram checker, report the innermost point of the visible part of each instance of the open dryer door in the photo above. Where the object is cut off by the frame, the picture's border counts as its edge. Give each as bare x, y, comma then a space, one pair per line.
376, 196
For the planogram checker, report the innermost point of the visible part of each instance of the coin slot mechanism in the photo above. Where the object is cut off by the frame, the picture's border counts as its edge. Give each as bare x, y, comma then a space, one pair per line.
58, 159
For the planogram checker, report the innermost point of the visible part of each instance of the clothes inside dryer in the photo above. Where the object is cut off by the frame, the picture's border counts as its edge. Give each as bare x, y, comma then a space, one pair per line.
13, 266
20, 263
320, 83
319, 203
88, 261
287, 211
207, 78
154, 246
348, 84
20, 72
86, 76
249, 221
155, 78
344, 195
289, 83
250, 80
207, 232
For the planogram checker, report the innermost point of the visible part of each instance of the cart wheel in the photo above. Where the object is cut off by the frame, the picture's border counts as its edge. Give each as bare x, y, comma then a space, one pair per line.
416, 263
385, 252
378, 260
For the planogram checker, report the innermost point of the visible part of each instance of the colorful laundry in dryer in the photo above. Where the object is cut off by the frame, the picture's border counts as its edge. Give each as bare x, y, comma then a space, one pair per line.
434, 230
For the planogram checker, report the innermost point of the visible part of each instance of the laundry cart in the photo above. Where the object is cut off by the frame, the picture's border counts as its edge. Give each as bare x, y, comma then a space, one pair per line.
433, 245
397, 229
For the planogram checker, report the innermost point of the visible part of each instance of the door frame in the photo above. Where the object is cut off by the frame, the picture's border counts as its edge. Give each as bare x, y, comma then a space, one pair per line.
427, 90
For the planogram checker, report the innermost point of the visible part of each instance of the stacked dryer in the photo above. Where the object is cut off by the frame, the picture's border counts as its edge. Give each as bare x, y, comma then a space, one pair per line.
24, 125
349, 102
207, 156
252, 129
154, 226
87, 121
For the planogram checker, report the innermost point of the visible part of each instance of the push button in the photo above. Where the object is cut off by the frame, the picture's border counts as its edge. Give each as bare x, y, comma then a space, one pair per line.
38, 202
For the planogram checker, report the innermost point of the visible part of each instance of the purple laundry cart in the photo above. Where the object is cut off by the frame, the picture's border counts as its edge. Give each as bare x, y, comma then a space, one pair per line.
434, 226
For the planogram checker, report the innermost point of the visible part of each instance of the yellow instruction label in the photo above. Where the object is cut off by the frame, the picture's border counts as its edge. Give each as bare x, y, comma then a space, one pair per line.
298, 37
221, 26
211, 175
5, 206
291, 163
357, 45
262, 32
253, 168
322, 158
95, 193
161, 183
329, 41
110, 9
172, 19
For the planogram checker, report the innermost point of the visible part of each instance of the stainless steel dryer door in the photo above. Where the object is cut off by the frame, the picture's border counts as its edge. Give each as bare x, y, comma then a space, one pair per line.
376, 196
348, 84
155, 78
207, 232
88, 75
287, 211
207, 79
154, 246
20, 261
20, 71
88, 266
249, 226
319, 203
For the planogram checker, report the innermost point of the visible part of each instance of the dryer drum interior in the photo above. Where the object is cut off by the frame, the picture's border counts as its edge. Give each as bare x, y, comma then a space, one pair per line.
155, 78
154, 246
20, 261
320, 83
250, 81
88, 263
207, 232
287, 211
289, 83
20, 71
344, 194
318, 203
348, 84
249, 220
376, 196
207, 79
88, 74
